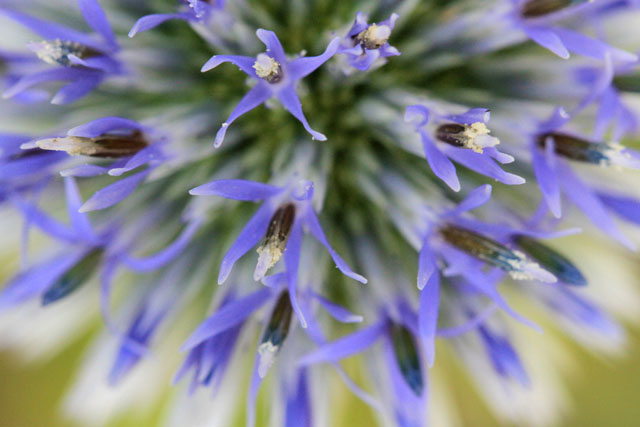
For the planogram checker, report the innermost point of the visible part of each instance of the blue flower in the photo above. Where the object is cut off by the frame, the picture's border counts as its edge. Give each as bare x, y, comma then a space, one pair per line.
275, 76
465, 139
365, 43
278, 223
80, 60
191, 11
537, 19
130, 143
553, 150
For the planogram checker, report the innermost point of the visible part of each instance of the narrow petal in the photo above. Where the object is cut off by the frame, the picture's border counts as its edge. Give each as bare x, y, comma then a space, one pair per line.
302, 67
338, 312
476, 198
104, 125
428, 316
583, 45
227, 316
256, 96
245, 63
292, 260
95, 17
313, 224
346, 346
426, 264
151, 21
298, 403
482, 164
439, 163
472, 324
548, 39
248, 238
79, 221
80, 88
84, 171
30, 80
625, 207
289, 100
114, 193
273, 45
547, 177
38, 278
236, 189
44, 222
160, 259
586, 200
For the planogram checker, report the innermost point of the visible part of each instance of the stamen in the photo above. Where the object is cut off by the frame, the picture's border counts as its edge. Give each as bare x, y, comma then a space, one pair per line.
551, 260
104, 146
268, 68
539, 8
574, 148
275, 333
57, 51
73, 279
485, 249
627, 83
474, 136
275, 240
407, 356
374, 36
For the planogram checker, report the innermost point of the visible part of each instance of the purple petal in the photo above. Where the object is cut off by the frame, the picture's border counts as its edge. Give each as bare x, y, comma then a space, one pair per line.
298, 403
292, 260
313, 224
85, 171
470, 325
114, 193
586, 200
160, 259
236, 189
363, 62
426, 264
583, 45
151, 21
273, 45
482, 164
227, 316
245, 63
95, 17
248, 238
417, 114
289, 100
547, 39
625, 207
346, 346
302, 67
256, 96
38, 278
104, 125
46, 223
338, 312
428, 316
80, 88
439, 163
79, 221
544, 168
52, 31
148, 155
30, 80
474, 115
254, 386
476, 198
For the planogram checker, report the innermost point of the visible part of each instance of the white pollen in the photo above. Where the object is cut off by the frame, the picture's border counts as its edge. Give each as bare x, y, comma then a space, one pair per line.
476, 137
267, 355
266, 67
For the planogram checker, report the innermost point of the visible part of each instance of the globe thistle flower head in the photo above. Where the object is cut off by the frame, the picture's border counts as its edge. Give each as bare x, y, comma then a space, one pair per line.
118, 197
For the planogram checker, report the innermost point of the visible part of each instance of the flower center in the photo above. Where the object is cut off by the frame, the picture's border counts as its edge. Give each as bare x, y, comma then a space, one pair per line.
275, 240
58, 52
578, 149
105, 146
494, 253
474, 136
268, 68
374, 36
275, 333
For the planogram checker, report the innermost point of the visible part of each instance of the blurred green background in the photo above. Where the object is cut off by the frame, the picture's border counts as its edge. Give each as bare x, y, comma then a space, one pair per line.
604, 392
